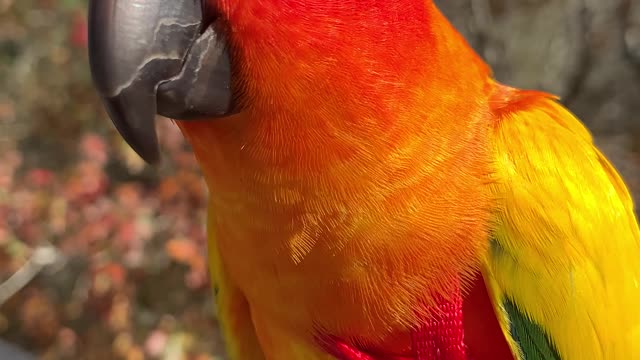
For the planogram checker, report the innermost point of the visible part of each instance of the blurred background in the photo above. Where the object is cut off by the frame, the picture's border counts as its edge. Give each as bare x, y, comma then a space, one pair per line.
102, 257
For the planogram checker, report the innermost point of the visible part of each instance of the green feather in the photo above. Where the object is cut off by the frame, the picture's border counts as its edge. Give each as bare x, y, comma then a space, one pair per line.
532, 340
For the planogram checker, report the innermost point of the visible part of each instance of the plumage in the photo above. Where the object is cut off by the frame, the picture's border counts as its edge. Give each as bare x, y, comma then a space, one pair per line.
376, 166
565, 249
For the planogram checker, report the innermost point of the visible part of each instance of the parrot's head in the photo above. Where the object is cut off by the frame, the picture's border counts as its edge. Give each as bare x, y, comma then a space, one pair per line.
360, 63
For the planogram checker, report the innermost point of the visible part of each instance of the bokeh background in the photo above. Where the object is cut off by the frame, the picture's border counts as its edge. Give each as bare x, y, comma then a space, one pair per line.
102, 257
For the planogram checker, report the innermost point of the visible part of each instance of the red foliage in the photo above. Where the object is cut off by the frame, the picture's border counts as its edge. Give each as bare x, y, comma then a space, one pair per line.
125, 231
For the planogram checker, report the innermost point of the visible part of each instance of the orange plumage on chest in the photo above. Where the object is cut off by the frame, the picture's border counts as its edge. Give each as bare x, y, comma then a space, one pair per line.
327, 202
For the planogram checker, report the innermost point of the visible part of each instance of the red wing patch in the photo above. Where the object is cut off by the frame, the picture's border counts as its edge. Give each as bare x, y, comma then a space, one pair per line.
440, 338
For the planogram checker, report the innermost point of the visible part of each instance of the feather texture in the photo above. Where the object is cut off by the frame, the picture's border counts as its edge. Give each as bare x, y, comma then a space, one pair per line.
346, 199
232, 308
564, 265
372, 162
531, 339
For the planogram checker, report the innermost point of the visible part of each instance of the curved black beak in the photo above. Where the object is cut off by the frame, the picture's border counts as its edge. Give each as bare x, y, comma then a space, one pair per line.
151, 57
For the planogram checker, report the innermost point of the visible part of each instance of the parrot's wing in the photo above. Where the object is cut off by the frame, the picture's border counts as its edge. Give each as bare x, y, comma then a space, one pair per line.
564, 261
232, 308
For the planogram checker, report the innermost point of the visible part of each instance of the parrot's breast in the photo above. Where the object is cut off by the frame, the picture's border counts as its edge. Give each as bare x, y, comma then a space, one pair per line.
337, 241
352, 188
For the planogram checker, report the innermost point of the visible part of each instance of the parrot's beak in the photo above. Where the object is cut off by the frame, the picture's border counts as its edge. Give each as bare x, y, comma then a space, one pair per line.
153, 57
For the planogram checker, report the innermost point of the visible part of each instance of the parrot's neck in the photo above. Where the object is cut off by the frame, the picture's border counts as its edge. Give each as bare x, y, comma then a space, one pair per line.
359, 153
351, 83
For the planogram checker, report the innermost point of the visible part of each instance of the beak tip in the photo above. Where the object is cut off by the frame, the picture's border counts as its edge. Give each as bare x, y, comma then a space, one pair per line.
136, 125
150, 155
146, 147
152, 158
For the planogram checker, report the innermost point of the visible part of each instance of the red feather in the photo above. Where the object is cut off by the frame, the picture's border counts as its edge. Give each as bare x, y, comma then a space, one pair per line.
461, 330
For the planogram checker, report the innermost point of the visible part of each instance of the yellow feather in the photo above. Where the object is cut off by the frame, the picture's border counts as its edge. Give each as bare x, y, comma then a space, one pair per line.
566, 248
231, 306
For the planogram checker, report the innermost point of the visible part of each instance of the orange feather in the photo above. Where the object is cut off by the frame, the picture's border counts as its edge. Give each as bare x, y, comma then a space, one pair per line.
351, 189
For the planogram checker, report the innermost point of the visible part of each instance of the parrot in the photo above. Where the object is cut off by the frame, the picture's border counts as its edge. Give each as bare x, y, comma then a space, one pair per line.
374, 192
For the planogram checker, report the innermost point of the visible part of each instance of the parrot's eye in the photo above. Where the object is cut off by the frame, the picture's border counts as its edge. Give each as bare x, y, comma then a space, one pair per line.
162, 57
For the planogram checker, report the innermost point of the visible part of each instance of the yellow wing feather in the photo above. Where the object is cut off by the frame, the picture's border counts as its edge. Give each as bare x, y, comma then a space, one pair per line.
231, 306
566, 250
